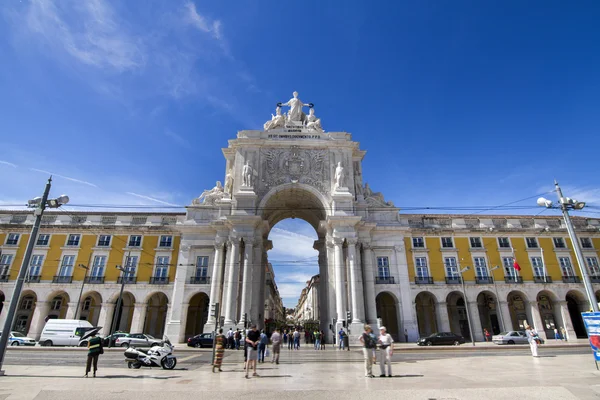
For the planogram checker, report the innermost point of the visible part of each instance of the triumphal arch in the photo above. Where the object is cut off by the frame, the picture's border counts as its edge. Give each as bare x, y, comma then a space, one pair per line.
292, 168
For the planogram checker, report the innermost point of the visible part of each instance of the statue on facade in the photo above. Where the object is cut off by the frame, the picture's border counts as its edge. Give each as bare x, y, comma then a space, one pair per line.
339, 175
277, 120
247, 175
376, 198
209, 197
295, 113
312, 122
358, 186
229, 183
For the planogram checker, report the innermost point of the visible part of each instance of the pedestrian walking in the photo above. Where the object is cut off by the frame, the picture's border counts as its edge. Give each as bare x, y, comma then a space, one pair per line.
285, 336
405, 335
230, 339
322, 343
488, 336
532, 338
296, 339
219, 351
94, 350
276, 342
386, 350
563, 332
556, 335
306, 336
341, 339
317, 340
291, 344
252, 340
369, 344
237, 337
262, 346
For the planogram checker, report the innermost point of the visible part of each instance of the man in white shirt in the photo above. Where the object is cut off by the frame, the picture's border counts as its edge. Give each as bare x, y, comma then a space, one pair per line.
386, 349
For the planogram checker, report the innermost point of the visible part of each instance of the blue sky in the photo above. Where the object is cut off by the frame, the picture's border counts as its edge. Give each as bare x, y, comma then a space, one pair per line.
458, 103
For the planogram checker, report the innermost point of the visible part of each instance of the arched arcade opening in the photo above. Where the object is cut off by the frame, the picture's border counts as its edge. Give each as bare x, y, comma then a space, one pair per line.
197, 315
425, 305
387, 312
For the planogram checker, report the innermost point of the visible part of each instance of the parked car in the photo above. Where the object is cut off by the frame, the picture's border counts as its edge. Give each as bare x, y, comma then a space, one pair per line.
201, 340
441, 338
114, 337
64, 332
18, 339
512, 337
137, 340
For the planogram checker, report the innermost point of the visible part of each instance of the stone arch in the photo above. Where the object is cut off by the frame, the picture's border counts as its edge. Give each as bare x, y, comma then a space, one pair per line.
576, 304
59, 304
387, 311
549, 310
156, 314
123, 316
457, 314
487, 305
426, 309
25, 310
89, 307
518, 305
197, 314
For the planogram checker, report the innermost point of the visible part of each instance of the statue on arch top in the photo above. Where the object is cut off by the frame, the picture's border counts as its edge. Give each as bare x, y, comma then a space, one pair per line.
312, 122
277, 120
210, 197
295, 114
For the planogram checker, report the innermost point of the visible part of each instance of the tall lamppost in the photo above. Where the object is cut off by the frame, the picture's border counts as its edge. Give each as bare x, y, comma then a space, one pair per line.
567, 204
77, 310
39, 204
462, 281
498, 298
118, 307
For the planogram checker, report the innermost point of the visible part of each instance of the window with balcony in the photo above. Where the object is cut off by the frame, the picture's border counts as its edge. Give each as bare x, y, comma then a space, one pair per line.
43, 240
586, 243
447, 243
130, 267
559, 243
421, 266
73, 240
418, 243
35, 268
12, 239
383, 271
531, 243
135, 241
161, 271
104, 241
5, 261
451, 267
97, 272
565, 266
166, 241
66, 266
509, 269
593, 268
481, 270
201, 273
504, 243
475, 242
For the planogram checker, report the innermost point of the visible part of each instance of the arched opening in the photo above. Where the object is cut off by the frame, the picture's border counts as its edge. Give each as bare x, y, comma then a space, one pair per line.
388, 313
89, 307
197, 315
546, 306
488, 312
25, 310
124, 315
457, 314
156, 314
59, 304
517, 305
425, 305
576, 303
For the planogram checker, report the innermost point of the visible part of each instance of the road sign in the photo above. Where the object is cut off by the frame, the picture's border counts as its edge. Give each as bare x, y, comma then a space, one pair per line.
592, 326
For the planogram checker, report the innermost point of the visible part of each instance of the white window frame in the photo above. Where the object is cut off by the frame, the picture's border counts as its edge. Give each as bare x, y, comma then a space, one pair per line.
383, 267
170, 241
12, 237
507, 240
101, 242
35, 266
64, 266
509, 267
421, 267
451, 242
201, 269
561, 241
130, 265
538, 266
6, 261
451, 267
566, 266
592, 266
162, 264
537, 244
43, 235
98, 266
71, 238
481, 269
135, 236
587, 241
419, 240
478, 241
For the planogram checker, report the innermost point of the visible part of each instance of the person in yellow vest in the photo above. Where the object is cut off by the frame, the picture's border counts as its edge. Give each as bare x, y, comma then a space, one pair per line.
94, 351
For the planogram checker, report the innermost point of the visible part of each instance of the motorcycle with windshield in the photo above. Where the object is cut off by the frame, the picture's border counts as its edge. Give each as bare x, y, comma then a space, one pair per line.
157, 356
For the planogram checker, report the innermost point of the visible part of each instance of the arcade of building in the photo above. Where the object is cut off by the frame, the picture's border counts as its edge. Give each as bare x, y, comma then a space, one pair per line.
380, 264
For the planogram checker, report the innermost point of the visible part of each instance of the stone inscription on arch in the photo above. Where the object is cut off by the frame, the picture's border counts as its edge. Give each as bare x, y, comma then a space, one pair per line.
294, 165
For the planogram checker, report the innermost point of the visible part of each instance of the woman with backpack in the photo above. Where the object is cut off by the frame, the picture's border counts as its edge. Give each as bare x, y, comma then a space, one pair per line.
368, 345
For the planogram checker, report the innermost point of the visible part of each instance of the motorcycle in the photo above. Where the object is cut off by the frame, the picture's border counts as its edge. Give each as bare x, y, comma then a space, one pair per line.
157, 356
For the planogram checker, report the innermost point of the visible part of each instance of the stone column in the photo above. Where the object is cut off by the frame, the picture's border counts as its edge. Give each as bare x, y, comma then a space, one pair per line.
105, 318
4, 312
356, 285
505, 311
139, 317
476, 321
442, 316
257, 265
538, 325
369, 286
339, 282
215, 279
184, 313
232, 281
247, 282
174, 330
323, 290
408, 313
566, 318
72, 310
331, 292
263, 288
38, 320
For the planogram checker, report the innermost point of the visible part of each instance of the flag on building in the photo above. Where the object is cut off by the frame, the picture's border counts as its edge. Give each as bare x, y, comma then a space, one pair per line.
517, 266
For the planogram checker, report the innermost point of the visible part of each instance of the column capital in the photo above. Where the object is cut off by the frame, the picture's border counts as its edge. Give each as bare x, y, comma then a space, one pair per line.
249, 241
234, 240
337, 241
220, 241
352, 241
365, 245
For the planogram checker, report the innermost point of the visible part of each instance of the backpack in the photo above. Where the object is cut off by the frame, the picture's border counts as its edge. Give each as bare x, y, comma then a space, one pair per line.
370, 342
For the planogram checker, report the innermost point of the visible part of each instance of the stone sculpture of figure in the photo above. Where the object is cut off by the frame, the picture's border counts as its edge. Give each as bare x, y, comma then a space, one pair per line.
358, 187
209, 197
312, 122
376, 196
277, 120
229, 183
339, 175
247, 175
295, 113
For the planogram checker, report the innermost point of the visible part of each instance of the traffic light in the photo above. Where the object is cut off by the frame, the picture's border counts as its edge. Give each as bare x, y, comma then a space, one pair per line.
348, 316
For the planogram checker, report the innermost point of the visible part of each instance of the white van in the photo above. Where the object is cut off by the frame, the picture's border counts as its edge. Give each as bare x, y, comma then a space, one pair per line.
63, 332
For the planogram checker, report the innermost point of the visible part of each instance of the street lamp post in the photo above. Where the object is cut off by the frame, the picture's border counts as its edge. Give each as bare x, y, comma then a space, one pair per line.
462, 281
77, 310
498, 298
117, 308
39, 204
567, 204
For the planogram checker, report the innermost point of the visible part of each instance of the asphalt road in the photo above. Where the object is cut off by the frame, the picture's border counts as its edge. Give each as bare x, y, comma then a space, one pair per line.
202, 358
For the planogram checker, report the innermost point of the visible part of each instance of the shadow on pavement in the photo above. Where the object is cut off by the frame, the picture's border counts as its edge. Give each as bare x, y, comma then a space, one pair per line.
92, 378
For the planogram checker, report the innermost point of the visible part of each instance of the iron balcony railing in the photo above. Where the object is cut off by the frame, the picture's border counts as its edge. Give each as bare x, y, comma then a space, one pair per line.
3, 278
382, 280
484, 279
542, 279
33, 279
571, 279
159, 280
595, 278
200, 280
423, 280
513, 279
62, 279
126, 279
453, 280
94, 279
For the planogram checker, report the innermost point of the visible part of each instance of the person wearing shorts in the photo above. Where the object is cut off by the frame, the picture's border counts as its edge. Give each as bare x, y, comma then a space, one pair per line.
252, 340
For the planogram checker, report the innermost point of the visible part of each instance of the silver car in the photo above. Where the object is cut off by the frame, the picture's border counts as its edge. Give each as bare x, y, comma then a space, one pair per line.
510, 337
137, 340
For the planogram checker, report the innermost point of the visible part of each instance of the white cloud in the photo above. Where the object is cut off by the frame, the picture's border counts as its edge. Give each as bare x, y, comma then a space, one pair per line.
177, 138
8, 163
202, 23
141, 196
288, 245
64, 177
